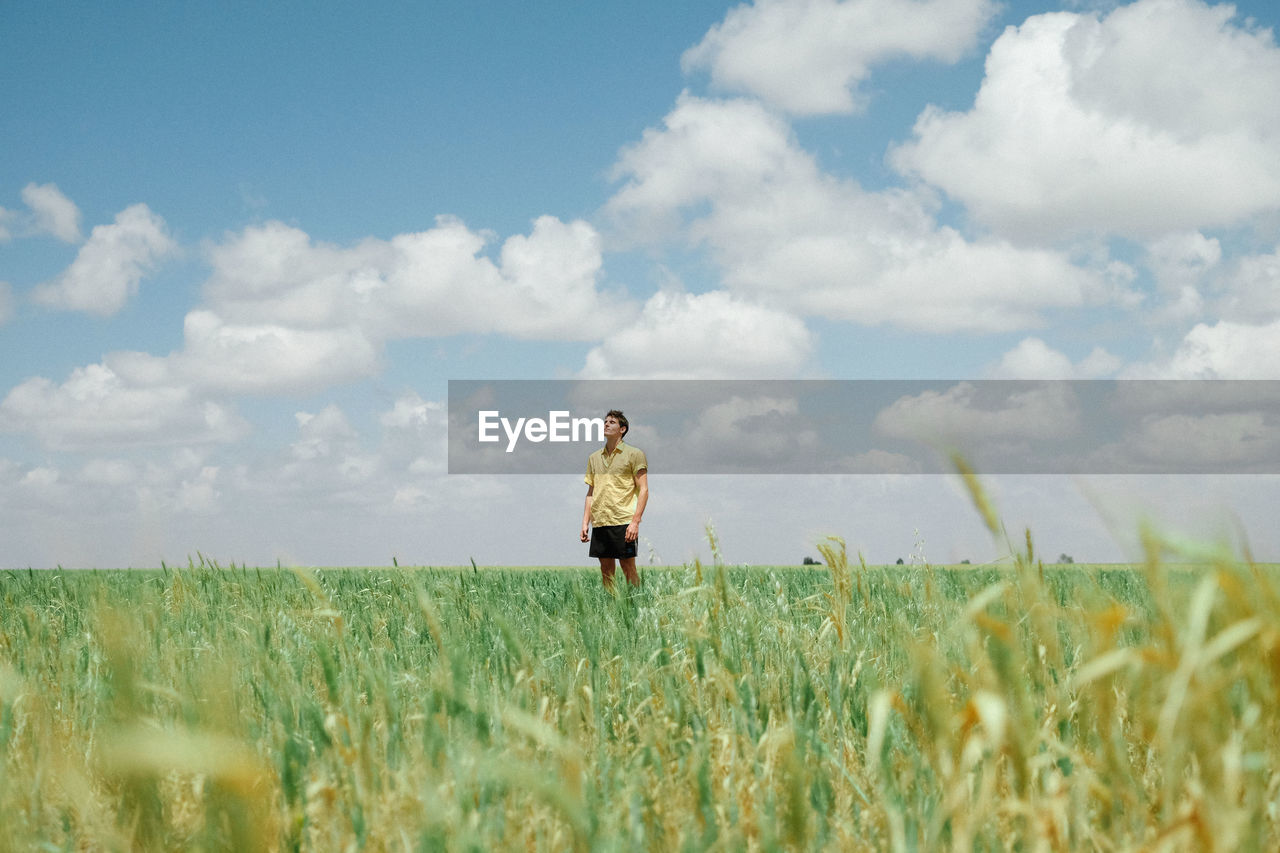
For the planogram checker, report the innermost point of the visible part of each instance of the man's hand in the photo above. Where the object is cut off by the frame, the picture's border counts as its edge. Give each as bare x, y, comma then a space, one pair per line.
585, 533
633, 531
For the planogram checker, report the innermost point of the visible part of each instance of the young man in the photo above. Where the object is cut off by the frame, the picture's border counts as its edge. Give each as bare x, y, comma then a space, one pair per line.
617, 491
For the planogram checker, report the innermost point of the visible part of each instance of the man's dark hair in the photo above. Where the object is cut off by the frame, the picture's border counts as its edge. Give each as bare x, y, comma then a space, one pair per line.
622, 420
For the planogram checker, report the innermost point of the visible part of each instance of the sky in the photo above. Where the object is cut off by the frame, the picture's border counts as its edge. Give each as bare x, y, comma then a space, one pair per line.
244, 247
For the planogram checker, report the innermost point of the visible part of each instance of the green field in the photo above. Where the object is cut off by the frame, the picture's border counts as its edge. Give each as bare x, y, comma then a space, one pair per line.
836, 707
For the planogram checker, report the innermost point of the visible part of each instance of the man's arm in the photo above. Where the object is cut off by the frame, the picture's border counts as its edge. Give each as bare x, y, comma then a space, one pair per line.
642, 498
586, 514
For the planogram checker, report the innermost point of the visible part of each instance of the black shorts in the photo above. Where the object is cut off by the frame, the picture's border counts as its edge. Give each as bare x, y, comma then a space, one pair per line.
611, 541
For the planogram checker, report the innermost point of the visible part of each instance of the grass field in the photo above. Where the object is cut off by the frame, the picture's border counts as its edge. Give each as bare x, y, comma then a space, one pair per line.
835, 707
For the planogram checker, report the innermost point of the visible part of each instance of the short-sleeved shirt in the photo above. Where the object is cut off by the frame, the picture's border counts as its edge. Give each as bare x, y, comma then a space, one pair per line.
613, 481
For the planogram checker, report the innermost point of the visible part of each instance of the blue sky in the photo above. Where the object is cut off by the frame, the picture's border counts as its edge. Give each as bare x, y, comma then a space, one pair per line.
242, 249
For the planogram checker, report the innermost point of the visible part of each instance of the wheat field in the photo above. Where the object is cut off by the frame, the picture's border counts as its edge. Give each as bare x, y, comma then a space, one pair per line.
836, 707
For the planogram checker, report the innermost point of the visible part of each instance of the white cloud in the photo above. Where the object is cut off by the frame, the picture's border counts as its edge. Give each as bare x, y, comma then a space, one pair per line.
706, 150
809, 56
751, 432
410, 412
109, 266
123, 492
877, 462
328, 466
326, 459
549, 283
1159, 117
40, 479
1203, 441
964, 414
220, 357
323, 433
114, 473
100, 407
731, 175
1181, 263
289, 316
286, 314
1249, 289
1032, 358
1223, 350
415, 435
1181, 260
430, 283
329, 497
52, 212
707, 336
1224, 77
199, 493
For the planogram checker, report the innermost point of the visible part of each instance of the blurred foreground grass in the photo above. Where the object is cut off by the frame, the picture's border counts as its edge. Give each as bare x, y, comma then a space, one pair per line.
832, 707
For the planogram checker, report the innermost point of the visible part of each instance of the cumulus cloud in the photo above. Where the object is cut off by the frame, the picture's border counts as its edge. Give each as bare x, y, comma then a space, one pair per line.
809, 56
330, 464
429, 283
729, 175
1180, 265
706, 336
131, 504
968, 413
706, 150
1181, 260
112, 511
41, 479
415, 435
1159, 117
199, 493
322, 434
750, 432
286, 315
331, 495
1222, 350
1032, 358
1207, 441
98, 406
410, 413
109, 266
1248, 290
220, 357
52, 212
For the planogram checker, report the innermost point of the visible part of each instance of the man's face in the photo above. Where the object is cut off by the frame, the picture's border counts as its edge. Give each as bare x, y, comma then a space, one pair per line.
612, 427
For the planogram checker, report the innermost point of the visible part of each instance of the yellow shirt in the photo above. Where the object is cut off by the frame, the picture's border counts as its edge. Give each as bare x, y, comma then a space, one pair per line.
613, 478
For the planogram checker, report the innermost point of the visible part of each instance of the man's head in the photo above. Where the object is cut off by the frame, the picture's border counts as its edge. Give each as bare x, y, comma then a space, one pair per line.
618, 418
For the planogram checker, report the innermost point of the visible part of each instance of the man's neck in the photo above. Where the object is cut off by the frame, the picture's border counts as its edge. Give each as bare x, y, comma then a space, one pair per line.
610, 444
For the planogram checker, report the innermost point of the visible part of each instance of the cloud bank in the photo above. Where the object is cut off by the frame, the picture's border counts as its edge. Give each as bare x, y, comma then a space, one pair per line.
1159, 117
809, 57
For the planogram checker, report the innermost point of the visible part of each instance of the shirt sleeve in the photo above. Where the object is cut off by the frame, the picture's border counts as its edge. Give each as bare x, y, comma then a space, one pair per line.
640, 463
588, 479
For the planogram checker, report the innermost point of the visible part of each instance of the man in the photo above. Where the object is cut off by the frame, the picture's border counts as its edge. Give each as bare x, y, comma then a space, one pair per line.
617, 491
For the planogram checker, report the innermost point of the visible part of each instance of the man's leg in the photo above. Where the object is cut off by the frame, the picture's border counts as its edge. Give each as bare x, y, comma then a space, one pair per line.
629, 569
607, 569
